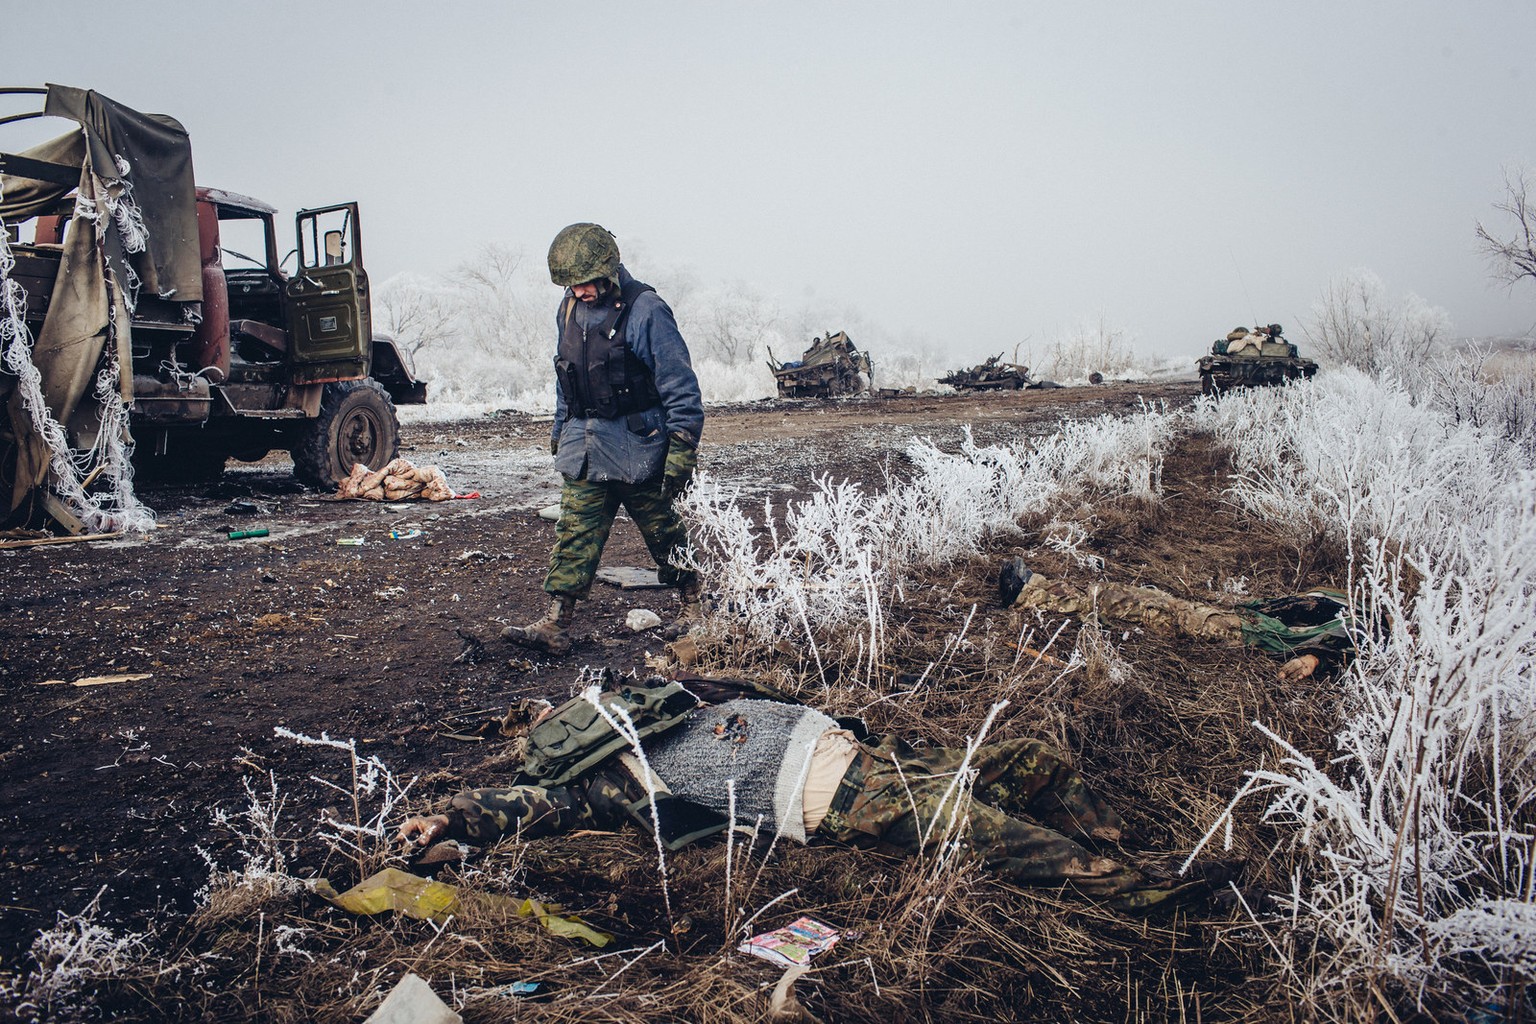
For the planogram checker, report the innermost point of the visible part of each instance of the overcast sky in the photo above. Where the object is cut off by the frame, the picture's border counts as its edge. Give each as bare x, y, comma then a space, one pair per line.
972, 173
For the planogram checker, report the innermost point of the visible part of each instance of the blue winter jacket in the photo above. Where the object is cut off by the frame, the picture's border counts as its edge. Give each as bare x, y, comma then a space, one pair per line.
608, 449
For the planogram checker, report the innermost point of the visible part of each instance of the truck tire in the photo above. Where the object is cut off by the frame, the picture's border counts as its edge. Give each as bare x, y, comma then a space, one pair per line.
356, 424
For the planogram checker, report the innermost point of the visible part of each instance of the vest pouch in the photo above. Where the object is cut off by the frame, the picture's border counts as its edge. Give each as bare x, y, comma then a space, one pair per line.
576, 736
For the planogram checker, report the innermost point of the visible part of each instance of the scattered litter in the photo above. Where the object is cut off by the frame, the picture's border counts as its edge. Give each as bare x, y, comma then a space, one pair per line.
517, 988
398, 508
125, 677
550, 512
351, 542
408, 534
641, 619
389, 593
243, 534
627, 577
245, 508
412, 1001
471, 496
39, 542
794, 944
684, 650
426, 900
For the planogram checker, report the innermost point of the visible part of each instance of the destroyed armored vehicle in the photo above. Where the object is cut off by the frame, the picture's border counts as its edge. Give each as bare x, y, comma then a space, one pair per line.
832, 366
1252, 358
176, 296
992, 375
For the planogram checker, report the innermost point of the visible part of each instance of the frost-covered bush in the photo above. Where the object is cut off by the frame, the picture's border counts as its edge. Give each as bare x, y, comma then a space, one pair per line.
1416, 836
71, 961
839, 555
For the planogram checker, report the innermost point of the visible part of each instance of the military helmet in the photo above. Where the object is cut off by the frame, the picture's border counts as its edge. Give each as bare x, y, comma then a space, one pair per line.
582, 253
1275, 330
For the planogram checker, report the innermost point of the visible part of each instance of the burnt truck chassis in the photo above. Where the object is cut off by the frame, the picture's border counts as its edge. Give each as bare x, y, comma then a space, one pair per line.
992, 375
832, 367
266, 361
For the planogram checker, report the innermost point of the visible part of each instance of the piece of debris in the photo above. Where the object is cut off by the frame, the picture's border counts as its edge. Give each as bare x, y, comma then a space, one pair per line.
427, 900
245, 508
56, 540
124, 677
350, 542
628, 577
271, 620
992, 375
407, 534
390, 593
244, 534
412, 1001
550, 512
794, 944
642, 619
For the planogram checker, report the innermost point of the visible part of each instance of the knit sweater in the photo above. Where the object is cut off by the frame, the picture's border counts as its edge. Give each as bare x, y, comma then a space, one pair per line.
764, 746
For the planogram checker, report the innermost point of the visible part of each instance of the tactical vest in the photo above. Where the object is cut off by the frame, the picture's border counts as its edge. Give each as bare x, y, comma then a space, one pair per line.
576, 736
599, 376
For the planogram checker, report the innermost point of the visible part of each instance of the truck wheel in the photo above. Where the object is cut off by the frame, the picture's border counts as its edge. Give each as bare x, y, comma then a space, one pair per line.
356, 424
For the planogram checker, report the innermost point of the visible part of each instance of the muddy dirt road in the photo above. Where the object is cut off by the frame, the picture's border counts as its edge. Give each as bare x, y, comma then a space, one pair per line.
113, 785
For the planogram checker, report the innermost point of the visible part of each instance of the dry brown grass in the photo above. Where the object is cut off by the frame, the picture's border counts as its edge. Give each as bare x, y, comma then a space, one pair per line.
1163, 729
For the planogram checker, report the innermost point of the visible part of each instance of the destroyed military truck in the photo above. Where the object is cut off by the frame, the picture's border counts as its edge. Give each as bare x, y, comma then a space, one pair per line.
832, 366
1252, 358
992, 375
141, 293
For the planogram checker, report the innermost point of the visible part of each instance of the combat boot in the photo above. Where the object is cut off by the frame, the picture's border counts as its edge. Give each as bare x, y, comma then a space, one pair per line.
552, 632
691, 615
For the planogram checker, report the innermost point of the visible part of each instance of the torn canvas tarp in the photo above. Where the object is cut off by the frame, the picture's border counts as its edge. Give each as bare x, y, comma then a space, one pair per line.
132, 224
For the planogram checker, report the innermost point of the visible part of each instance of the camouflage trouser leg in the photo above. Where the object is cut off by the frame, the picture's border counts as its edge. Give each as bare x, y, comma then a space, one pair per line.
586, 518
663, 529
1142, 605
906, 810
482, 816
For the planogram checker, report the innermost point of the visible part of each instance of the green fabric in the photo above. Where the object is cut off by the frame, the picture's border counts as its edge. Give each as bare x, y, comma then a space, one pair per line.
587, 510
1313, 622
576, 736
682, 460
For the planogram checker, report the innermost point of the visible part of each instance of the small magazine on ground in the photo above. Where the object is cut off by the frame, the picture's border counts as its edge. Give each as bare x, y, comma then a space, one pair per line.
794, 944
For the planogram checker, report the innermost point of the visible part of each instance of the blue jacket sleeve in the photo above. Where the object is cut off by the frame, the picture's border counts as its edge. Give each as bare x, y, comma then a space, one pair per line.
560, 410
653, 337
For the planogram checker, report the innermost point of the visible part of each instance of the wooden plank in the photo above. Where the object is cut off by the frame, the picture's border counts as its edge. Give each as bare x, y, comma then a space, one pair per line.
61, 513
56, 540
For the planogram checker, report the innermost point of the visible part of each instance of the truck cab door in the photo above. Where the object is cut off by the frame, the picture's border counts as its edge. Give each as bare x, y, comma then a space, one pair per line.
330, 331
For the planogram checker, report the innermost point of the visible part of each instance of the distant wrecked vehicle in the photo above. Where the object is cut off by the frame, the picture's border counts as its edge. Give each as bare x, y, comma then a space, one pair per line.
1252, 358
833, 366
992, 375
175, 296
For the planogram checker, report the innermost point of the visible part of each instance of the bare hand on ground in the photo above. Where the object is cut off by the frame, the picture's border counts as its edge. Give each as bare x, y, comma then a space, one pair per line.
1300, 667
423, 830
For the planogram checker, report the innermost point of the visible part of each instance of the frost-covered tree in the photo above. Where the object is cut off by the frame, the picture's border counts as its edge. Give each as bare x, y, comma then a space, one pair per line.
1358, 323
1512, 258
418, 312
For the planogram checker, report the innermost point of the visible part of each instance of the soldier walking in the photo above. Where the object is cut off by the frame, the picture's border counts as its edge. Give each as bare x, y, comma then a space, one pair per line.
628, 416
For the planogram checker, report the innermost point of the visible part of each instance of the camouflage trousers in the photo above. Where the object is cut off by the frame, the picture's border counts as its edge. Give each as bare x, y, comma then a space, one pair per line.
587, 511
594, 801
903, 801
1141, 605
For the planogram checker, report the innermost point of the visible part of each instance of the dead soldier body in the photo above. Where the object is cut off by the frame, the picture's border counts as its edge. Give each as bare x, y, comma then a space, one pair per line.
628, 415
1311, 630
1027, 816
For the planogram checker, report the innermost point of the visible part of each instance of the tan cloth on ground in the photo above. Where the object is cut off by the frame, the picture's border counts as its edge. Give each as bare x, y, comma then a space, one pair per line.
834, 752
1142, 605
398, 481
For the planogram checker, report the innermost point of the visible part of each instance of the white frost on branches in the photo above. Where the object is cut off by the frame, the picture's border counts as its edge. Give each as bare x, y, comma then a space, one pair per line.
1418, 830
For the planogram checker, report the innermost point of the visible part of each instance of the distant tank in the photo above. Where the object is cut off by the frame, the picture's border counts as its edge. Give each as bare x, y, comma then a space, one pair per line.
832, 366
1252, 358
992, 375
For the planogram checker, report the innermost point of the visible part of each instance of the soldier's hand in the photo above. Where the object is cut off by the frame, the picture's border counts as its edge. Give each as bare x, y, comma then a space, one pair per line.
423, 830
554, 445
682, 460
1299, 667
